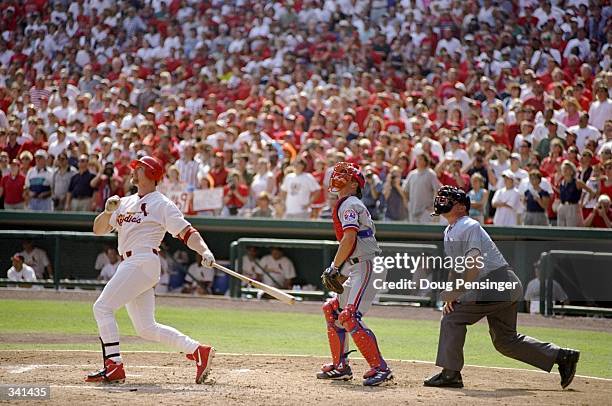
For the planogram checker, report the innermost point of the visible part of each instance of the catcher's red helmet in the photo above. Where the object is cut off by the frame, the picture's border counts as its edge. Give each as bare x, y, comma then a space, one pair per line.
154, 169
342, 174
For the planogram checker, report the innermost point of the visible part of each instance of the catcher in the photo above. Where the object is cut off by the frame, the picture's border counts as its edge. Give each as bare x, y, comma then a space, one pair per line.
351, 276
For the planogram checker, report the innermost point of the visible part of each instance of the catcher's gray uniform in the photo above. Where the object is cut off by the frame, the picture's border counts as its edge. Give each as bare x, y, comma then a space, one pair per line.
467, 238
359, 287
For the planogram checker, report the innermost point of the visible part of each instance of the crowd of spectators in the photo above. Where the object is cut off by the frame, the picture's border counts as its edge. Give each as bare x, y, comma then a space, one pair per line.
508, 99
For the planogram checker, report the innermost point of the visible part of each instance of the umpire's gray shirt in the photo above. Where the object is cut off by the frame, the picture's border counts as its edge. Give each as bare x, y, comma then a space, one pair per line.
467, 238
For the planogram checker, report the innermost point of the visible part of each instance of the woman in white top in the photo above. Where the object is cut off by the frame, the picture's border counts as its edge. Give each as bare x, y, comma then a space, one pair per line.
263, 181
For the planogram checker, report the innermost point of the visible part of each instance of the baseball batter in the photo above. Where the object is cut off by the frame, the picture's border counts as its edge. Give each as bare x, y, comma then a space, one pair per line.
141, 221
464, 238
351, 276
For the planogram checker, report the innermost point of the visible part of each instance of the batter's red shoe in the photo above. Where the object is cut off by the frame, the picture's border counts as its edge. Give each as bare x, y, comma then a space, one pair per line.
203, 356
112, 372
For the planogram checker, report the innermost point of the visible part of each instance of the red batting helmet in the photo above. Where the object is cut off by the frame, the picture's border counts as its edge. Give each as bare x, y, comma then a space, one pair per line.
342, 174
154, 169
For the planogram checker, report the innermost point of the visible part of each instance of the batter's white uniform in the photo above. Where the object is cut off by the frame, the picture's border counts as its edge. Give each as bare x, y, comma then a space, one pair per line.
141, 223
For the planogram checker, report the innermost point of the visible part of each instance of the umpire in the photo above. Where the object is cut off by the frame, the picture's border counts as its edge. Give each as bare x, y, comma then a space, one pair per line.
463, 238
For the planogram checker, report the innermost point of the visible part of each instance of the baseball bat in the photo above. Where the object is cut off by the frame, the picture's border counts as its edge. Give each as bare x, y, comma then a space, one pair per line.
272, 291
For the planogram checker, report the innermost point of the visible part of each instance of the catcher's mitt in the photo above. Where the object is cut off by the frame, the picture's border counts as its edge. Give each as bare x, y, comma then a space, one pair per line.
332, 280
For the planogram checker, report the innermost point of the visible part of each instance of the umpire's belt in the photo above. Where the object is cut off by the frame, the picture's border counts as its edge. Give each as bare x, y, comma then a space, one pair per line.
130, 253
365, 233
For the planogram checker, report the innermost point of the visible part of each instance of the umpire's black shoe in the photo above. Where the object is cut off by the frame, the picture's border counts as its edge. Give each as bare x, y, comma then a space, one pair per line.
445, 379
567, 360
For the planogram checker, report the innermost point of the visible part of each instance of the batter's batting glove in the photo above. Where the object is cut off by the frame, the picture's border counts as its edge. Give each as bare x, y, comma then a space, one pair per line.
332, 279
208, 259
112, 203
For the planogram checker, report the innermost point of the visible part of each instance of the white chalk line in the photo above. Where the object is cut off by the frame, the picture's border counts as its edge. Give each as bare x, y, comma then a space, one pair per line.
20, 369
236, 354
132, 388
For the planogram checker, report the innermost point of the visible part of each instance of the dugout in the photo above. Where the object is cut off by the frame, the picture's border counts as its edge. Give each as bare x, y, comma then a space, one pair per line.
522, 246
311, 257
586, 278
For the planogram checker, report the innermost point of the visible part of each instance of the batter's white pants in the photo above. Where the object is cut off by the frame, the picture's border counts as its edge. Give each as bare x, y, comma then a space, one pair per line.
132, 287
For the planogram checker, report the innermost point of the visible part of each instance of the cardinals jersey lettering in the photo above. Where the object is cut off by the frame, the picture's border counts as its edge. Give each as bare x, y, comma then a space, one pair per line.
141, 223
351, 213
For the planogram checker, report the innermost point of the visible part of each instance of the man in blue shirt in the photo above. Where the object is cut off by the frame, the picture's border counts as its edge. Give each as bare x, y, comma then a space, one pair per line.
80, 191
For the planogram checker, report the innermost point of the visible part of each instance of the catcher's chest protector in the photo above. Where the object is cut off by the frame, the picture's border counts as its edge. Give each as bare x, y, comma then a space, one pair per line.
336, 219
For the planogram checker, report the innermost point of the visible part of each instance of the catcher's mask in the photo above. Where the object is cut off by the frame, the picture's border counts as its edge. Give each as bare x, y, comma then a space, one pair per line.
343, 173
447, 197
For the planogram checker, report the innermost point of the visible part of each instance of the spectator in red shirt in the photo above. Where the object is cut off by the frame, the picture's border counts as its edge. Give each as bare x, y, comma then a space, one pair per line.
537, 100
235, 194
12, 147
449, 173
165, 152
38, 142
11, 187
123, 165
601, 217
218, 171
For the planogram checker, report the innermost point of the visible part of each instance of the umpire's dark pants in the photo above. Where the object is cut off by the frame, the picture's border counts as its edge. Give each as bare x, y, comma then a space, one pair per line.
502, 328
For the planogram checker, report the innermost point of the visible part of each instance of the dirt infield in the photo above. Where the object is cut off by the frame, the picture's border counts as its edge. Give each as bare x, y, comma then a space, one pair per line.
166, 379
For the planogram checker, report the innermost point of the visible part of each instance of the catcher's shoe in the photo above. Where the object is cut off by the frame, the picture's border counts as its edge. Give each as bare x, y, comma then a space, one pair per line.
203, 356
370, 373
329, 371
112, 372
445, 379
380, 377
567, 360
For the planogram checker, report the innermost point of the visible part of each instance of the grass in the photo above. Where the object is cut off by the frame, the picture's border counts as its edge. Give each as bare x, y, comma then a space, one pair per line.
287, 333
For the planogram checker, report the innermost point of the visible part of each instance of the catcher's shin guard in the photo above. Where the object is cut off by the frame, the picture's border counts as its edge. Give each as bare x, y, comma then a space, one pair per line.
364, 339
336, 335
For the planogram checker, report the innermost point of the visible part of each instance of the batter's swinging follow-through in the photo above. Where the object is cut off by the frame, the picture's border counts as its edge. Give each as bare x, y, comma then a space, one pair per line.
141, 221
463, 238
